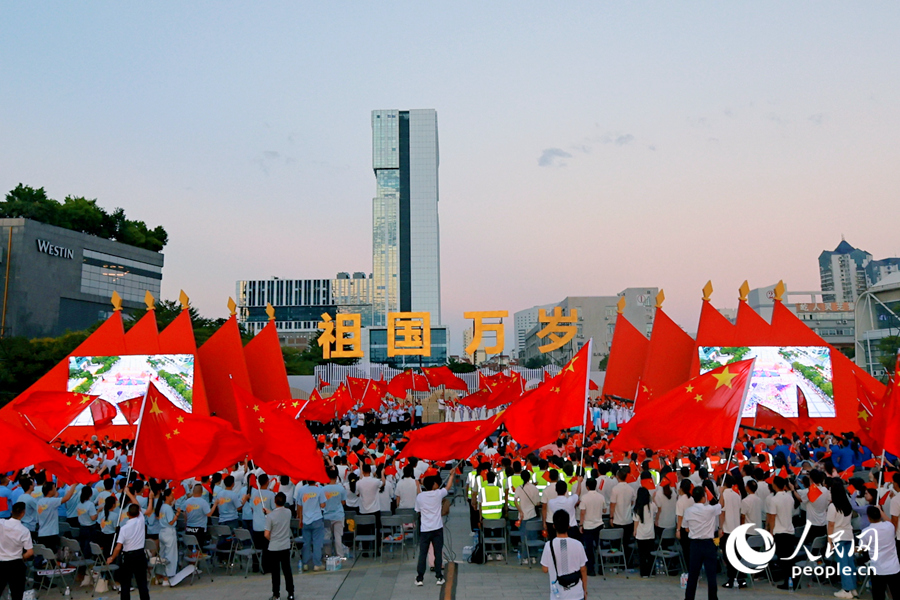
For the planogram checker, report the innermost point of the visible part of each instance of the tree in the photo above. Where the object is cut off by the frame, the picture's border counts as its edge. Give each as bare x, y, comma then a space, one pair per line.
889, 347
537, 362
460, 367
603, 364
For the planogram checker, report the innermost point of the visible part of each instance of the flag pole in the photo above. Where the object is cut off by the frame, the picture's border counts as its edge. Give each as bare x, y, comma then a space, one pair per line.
881, 469
137, 436
587, 395
737, 423
67, 426
297, 416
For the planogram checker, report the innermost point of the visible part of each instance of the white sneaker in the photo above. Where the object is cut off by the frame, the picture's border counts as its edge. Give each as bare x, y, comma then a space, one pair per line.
440, 581
419, 583
843, 594
166, 583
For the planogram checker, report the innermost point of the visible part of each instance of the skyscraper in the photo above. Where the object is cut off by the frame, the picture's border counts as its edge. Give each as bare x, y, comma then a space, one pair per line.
843, 273
406, 263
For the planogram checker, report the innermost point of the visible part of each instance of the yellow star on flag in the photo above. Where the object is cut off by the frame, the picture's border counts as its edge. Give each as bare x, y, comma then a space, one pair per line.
176, 432
85, 399
256, 408
863, 415
571, 366
262, 420
154, 407
295, 404
689, 388
69, 403
180, 419
724, 378
555, 390
497, 416
698, 397
478, 428
168, 436
644, 387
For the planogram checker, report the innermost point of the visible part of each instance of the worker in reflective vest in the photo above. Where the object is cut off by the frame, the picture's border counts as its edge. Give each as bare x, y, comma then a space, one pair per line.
490, 499
512, 484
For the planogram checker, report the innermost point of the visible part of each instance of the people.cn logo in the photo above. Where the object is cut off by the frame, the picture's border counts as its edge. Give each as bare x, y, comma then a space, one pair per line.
744, 558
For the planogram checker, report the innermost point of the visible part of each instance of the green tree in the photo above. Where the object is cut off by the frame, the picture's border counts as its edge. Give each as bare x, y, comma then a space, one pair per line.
537, 362
889, 347
460, 367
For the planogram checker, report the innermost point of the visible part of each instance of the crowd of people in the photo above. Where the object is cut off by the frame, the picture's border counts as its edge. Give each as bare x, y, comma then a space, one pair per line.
688, 502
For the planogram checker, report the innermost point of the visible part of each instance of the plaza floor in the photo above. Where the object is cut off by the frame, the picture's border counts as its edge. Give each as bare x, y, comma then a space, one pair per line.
368, 579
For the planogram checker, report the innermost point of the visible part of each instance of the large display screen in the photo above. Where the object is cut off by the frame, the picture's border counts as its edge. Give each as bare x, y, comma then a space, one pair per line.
779, 372
119, 378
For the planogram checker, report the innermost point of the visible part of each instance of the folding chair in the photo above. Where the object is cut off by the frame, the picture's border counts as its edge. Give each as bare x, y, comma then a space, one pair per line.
360, 539
663, 556
246, 551
759, 544
495, 525
817, 547
296, 537
615, 554
100, 567
223, 543
535, 542
75, 560
411, 531
52, 565
193, 555
392, 535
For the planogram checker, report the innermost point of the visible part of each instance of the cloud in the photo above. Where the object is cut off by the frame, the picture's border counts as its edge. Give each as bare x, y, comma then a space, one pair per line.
624, 139
777, 119
817, 118
549, 156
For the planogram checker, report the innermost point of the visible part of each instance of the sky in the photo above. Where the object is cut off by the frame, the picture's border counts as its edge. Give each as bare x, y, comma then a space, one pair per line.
585, 147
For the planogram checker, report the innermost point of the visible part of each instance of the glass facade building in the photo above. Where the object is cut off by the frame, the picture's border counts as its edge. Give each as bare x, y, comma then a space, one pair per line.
406, 266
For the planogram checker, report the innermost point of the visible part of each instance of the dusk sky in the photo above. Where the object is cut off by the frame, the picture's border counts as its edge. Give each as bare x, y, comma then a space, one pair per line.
585, 147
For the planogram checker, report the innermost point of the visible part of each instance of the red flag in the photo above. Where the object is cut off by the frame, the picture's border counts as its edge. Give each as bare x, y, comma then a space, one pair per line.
593, 386
265, 365
491, 382
444, 376
870, 418
374, 396
405, 381
48, 413
507, 392
706, 408
102, 413
648, 484
446, 441
891, 404
341, 401
669, 356
21, 449
278, 443
143, 337
627, 356
814, 493
222, 361
317, 409
477, 399
131, 409
174, 444
766, 418
357, 387
713, 330
178, 338
537, 417
322, 384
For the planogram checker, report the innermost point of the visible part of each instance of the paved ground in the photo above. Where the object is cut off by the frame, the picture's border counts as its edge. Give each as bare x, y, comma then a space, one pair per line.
368, 579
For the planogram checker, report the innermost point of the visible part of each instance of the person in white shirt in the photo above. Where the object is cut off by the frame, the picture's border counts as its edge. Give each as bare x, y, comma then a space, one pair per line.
730, 520
592, 505
528, 502
700, 522
815, 511
780, 511
644, 515
15, 549
407, 489
564, 556
682, 504
752, 505
840, 537
429, 505
564, 501
881, 533
621, 501
134, 561
665, 500
368, 489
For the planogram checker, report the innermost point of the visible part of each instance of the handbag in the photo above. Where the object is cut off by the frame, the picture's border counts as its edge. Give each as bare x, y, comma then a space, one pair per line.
568, 580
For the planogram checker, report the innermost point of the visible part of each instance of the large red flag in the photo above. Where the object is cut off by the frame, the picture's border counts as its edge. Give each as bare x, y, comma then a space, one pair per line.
317, 409
447, 441
222, 361
357, 387
891, 408
669, 357
476, 400
48, 413
342, 401
21, 449
131, 409
178, 338
374, 396
265, 365
559, 403
174, 444
143, 337
405, 381
492, 382
713, 330
627, 356
704, 411
102, 413
870, 418
444, 376
766, 418
750, 329
279, 444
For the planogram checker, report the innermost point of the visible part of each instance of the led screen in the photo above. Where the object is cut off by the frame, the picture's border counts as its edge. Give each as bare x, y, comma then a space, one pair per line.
779, 372
119, 378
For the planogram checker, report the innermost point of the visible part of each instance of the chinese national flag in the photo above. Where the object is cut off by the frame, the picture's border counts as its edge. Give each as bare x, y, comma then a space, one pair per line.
405, 381
492, 382
174, 444
372, 399
446, 441
48, 413
341, 401
891, 407
506, 393
102, 413
706, 410
221, 359
278, 444
477, 399
265, 365
444, 376
317, 409
669, 356
559, 403
131, 409
870, 416
626, 360
21, 448
357, 387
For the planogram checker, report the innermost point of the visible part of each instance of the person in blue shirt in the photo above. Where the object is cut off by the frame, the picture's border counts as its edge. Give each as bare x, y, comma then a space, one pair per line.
6, 500
333, 513
198, 512
48, 515
841, 455
261, 500
149, 507
30, 502
109, 520
71, 507
167, 516
229, 502
87, 520
105, 493
310, 503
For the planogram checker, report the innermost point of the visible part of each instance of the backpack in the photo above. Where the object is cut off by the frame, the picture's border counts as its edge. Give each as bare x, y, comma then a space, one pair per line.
477, 557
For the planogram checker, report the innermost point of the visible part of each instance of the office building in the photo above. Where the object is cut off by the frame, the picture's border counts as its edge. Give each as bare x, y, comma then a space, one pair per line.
300, 303
847, 272
832, 321
877, 318
56, 279
479, 355
596, 320
523, 321
406, 265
